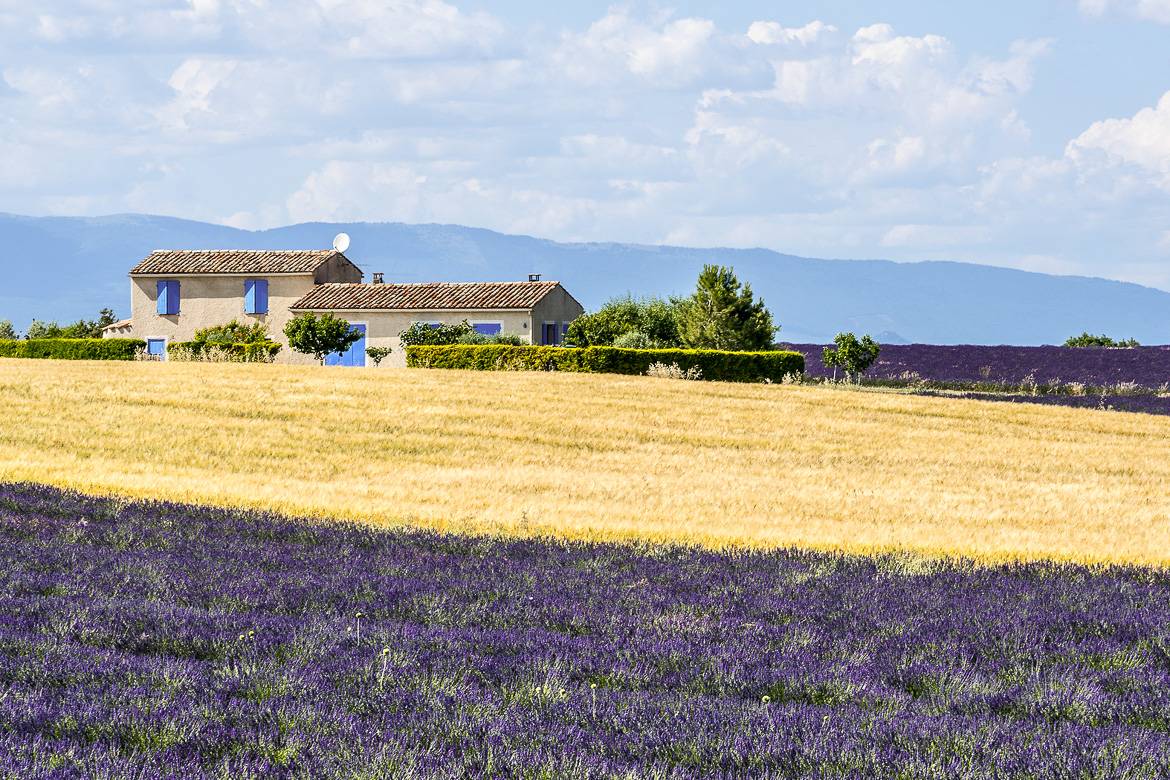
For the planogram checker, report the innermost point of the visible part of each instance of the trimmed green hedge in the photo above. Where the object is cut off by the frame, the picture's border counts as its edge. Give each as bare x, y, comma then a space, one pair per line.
72, 349
715, 365
256, 352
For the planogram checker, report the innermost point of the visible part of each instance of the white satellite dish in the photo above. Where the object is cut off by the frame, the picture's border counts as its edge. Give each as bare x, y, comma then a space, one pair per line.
341, 242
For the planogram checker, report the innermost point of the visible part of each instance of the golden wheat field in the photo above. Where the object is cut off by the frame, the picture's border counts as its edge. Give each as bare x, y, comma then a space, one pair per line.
601, 457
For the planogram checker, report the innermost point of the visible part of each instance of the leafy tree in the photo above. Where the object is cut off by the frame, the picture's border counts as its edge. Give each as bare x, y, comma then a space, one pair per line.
105, 317
654, 318
851, 355
234, 332
423, 333
82, 329
1086, 339
319, 334
7, 332
43, 330
378, 354
723, 314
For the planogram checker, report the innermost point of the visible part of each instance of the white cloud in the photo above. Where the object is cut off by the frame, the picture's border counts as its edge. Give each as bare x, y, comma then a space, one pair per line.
662, 52
1152, 10
1141, 141
194, 81
771, 33
345, 28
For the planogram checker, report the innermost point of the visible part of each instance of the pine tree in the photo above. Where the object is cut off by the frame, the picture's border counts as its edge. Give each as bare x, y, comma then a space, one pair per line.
723, 314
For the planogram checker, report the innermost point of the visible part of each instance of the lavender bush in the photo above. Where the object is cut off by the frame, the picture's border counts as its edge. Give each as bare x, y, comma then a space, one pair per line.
161, 640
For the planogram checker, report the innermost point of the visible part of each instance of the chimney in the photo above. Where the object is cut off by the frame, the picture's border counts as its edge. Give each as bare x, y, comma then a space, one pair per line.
377, 278
534, 277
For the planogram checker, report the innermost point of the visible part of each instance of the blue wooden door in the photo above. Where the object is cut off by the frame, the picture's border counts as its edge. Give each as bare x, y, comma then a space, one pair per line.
355, 355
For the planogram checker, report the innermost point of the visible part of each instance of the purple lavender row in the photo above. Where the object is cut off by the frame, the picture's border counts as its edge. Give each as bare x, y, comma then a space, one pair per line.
1147, 367
160, 640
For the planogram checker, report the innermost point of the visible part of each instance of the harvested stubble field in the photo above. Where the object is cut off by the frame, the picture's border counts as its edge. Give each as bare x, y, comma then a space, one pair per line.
142, 640
601, 457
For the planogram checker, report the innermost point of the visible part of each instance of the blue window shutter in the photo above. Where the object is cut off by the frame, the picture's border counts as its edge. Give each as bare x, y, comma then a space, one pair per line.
249, 296
173, 297
163, 307
261, 290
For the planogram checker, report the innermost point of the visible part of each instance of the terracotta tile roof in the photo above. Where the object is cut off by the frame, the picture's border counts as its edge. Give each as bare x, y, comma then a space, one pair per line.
232, 261
431, 296
120, 324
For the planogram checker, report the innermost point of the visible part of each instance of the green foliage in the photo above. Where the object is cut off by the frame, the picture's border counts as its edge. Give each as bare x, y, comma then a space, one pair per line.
715, 365
722, 314
498, 338
422, 333
851, 355
72, 349
243, 352
634, 339
7, 332
1086, 339
378, 354
234, 332
654, 318
319, 334
82, 329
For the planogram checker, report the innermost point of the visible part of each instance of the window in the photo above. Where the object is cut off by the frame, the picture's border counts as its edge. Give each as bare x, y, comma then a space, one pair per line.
157, 348
488, 328
255, 296
168, 297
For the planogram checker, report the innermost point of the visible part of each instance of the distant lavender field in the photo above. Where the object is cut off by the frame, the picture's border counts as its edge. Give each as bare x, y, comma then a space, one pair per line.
1146, 366
160, 640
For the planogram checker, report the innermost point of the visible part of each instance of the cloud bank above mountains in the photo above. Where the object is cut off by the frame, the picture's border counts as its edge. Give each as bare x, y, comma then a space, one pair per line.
643, 125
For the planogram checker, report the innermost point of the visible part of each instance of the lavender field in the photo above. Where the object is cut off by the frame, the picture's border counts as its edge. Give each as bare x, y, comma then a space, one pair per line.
1147, 367
160, 640
1126, 380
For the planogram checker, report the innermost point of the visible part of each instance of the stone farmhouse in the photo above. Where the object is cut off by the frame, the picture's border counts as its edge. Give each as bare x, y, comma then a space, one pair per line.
174, 293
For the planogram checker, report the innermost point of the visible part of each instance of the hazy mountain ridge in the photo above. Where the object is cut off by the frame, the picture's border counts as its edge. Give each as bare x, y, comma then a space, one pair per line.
66, 267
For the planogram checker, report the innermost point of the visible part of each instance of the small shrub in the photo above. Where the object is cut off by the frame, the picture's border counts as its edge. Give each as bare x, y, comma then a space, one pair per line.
210, 352
378, 354
1087, 339
234, 333
420, 333
673, 371
72, 349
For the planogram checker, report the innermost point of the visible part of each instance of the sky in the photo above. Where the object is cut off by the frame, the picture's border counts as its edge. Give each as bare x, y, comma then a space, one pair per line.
1032, 135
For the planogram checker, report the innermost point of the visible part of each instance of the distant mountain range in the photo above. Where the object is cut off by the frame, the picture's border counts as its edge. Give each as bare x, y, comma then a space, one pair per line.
62, 268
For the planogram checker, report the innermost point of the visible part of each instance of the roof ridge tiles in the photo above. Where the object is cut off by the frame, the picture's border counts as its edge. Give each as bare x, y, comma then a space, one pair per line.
425, 296
231, 261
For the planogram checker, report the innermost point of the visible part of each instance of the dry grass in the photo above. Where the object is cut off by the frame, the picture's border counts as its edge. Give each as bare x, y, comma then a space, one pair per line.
602, 457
